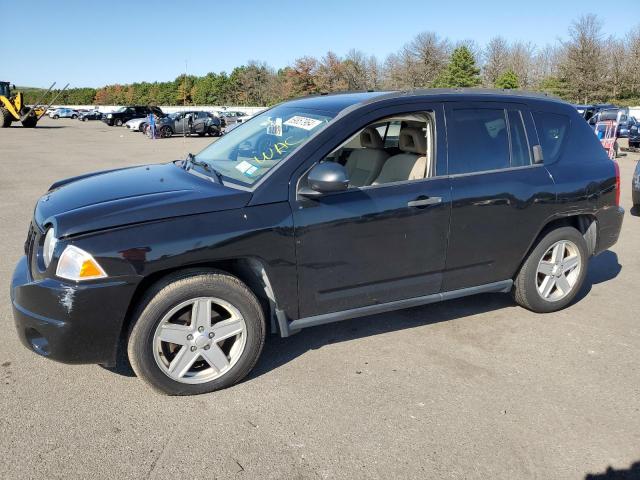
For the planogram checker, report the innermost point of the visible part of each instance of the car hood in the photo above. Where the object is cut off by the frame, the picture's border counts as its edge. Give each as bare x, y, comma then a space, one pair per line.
131, 195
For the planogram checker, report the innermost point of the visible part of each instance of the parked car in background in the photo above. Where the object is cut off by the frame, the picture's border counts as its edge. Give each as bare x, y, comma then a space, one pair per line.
233, 116
90, 115
588, 111
625, 122
63, 113
625, 125
634, 135
188, 123
137, 124
305, 215
124, 114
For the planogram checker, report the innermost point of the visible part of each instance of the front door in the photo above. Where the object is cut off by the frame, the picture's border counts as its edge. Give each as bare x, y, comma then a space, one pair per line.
381, 242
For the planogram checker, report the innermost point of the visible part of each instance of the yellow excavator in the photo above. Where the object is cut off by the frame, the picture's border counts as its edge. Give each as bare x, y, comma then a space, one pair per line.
13, 108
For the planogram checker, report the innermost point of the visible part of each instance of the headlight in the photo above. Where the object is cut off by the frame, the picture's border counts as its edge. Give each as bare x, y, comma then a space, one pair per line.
109, 115
50, 241
76, 264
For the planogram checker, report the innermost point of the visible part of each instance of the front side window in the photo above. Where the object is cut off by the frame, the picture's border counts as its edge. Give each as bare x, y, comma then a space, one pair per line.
394, 149
478, 140
248, 152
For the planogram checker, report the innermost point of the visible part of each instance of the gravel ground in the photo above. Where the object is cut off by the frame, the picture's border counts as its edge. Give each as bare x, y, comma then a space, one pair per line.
475, 388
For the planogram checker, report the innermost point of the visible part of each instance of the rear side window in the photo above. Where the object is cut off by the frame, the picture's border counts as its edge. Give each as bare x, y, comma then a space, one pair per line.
519, 144
478, 140
552, 131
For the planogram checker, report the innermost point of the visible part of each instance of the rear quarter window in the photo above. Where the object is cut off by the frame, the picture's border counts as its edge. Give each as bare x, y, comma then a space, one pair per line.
553, 130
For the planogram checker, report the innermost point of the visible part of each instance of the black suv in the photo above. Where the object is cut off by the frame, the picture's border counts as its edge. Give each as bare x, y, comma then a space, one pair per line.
316, 210
124, 114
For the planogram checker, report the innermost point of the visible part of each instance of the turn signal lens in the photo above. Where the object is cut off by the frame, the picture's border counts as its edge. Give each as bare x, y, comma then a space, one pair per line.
76, 264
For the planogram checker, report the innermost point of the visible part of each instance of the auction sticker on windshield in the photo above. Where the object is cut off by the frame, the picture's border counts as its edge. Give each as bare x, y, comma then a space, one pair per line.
246, 168
305, 123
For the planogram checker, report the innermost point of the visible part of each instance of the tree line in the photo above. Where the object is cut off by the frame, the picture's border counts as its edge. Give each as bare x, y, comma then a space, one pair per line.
588, 66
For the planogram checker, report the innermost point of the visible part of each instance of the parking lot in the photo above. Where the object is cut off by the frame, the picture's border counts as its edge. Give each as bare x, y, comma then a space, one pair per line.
471, 388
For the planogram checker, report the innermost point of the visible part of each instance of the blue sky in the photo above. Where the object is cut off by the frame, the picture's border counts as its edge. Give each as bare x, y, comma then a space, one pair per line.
93, 43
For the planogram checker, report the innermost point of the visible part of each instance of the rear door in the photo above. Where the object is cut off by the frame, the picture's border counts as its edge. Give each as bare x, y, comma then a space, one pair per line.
500, 197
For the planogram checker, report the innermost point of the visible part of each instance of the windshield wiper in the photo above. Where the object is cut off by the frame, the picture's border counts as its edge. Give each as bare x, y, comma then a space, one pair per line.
191, 160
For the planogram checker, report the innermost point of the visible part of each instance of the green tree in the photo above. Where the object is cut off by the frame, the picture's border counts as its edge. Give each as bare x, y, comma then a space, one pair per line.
507, 80
555, 85
461, 71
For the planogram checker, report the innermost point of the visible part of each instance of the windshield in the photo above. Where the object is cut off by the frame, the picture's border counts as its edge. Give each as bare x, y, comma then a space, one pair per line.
248, 152
121, 109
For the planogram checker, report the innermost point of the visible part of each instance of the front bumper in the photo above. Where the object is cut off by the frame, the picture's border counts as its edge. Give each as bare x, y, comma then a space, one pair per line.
609, 225
68, 322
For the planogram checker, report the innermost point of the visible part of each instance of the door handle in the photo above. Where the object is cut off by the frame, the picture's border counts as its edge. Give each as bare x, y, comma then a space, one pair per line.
424, 201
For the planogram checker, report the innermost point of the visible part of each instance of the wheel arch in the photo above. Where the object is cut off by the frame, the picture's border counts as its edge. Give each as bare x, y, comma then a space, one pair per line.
252, 271
585, 223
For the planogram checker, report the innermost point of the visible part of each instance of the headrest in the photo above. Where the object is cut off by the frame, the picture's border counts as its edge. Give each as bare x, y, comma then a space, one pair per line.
370, 138
413, 140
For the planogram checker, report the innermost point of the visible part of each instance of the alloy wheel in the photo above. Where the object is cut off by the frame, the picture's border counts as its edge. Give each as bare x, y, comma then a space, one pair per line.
558, 270
199, 340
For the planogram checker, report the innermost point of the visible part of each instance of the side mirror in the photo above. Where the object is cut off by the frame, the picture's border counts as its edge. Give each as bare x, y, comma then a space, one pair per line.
326, 177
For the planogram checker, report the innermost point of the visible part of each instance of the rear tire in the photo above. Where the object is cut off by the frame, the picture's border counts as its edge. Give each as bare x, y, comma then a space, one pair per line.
153, 356
5, 118
542, 284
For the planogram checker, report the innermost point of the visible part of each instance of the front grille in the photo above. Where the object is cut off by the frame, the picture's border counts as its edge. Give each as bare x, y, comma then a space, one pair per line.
31, 248
30, 242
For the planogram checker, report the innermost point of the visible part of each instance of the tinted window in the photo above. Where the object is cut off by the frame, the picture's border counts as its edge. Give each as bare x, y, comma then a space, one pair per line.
552, 130
519, 144
477, 140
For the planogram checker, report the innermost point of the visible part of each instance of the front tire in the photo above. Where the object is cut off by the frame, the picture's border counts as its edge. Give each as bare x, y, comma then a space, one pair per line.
56, 117
196, 332
554, 271
118, 122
